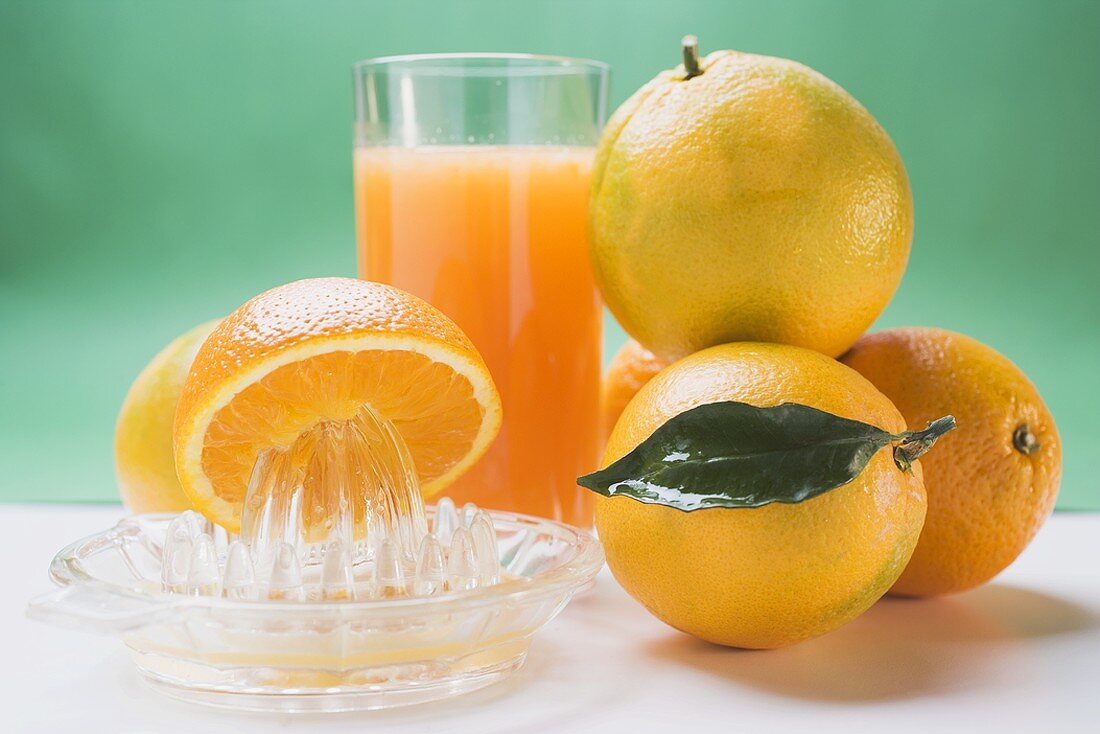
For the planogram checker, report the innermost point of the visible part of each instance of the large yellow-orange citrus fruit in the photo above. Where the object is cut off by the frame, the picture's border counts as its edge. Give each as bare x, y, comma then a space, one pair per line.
143, 435
756, 201
992, 483
772, 575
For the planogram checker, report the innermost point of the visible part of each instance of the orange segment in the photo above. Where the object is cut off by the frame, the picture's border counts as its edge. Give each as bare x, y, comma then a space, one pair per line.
318, 350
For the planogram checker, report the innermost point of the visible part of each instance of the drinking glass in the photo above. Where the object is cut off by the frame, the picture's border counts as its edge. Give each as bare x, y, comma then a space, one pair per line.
472, 175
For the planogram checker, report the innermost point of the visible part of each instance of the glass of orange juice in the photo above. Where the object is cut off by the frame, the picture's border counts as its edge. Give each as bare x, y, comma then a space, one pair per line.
472, 174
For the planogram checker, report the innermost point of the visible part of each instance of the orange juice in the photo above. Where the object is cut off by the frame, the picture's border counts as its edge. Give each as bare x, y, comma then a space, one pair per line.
495, 237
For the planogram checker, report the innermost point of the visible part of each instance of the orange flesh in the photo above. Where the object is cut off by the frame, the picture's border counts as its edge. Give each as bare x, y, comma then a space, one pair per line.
431, 406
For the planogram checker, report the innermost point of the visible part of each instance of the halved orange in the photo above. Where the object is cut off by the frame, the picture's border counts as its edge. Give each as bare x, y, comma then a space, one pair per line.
317, 350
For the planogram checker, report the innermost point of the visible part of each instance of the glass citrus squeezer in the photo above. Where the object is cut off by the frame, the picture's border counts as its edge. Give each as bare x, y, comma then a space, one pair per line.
392, 604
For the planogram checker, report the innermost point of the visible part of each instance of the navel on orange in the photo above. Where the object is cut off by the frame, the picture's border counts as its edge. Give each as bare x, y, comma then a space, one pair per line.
318, 350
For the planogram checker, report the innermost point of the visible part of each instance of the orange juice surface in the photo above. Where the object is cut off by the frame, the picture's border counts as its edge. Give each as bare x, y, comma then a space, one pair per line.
495, 237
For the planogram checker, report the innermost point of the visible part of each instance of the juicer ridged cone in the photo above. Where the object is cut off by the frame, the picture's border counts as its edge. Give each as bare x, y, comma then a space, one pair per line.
336, 515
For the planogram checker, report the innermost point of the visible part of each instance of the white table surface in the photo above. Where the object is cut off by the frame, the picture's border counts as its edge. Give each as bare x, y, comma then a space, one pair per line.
1020, 654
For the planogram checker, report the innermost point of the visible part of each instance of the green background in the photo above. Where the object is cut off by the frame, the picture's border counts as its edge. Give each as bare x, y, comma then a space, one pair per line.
162, 162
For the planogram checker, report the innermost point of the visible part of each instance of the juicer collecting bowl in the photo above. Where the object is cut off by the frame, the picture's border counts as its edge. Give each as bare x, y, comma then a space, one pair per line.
333, 636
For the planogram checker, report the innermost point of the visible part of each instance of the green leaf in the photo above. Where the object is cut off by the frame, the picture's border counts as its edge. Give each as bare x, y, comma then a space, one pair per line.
732, 454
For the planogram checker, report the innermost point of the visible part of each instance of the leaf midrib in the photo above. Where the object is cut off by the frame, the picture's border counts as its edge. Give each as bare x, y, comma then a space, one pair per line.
880, 442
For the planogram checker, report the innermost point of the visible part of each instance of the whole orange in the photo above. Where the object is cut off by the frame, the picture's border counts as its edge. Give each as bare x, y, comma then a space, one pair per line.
754, 201
992, 483
773, 575
631, 368
144, 463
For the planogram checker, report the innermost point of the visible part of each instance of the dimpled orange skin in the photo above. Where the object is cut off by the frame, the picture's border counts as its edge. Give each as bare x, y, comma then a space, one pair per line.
986, 499
304, 310
774, 575
631, 368
756, 202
